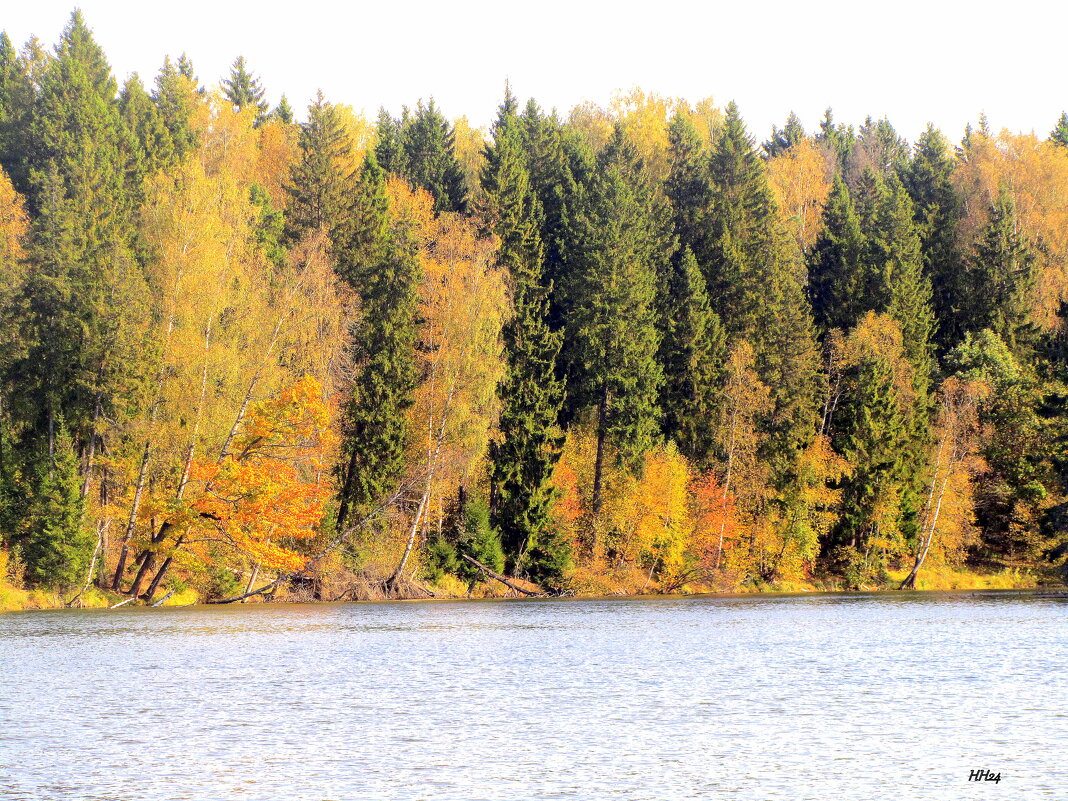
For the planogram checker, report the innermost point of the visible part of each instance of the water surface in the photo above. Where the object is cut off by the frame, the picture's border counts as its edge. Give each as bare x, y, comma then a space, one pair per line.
818, 697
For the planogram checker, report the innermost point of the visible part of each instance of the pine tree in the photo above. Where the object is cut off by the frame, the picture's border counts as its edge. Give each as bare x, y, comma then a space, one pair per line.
837, 264
382, 265
1059, 134
530, 439
155, 147
430, 158
693, 354
53, 538
782, 140
321, 188
175, 97
1004, 274
938, 212
618, 237
243, 90
689, 187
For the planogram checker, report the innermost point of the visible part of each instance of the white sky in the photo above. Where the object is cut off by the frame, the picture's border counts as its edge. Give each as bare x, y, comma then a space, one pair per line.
912, 60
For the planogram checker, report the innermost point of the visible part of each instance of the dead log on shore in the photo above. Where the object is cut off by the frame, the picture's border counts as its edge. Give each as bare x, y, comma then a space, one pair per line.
504, 580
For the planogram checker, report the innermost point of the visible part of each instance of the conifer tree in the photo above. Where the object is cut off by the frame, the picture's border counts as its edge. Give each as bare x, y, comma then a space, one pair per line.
321, 187
1059, 135
175, 96
838, 138
689, 187
428, 142
1004, 273
758, 291
530, 439
283, 112
389, 150
155, 147
53, 538
838, 265
693, 354
937, 206
557, 170
782, 140
244, 90
382, 265
618, 237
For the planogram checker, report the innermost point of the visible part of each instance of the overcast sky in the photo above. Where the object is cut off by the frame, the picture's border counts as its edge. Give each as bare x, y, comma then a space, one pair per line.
911, 60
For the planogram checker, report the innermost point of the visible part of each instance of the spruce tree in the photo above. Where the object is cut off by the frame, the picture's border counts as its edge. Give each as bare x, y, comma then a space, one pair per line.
693, 353
389, 150
382, 265
689, 187
782, 140
938, 212
155, 147
321, 190
53, 538
428, 143
837, 138
757, 288
1059, 135
522, 459
618, 238
175, 96
1004, 274
837, 263
243, 90
283, 112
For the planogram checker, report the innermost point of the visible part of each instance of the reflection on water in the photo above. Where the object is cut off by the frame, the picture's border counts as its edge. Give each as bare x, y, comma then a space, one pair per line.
816, 697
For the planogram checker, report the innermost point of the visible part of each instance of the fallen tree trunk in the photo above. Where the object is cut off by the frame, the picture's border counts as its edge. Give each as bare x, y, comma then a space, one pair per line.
499, 577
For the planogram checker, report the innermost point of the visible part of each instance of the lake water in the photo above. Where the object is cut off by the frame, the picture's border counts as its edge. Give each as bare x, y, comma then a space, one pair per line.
843, 697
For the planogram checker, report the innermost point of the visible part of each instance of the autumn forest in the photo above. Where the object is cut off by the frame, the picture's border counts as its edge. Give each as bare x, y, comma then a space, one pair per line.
256, 352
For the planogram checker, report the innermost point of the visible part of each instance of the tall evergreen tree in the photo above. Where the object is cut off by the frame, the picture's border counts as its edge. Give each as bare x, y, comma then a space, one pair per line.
938, 212
175, 96
383, 266
243, 90
838, 138
428, 142
155, 147
782, 140
758, 289
321, 188
618, 238
1059, 134
283, 112
689, 187
693, 353
837, 264
530, 438
1004, 273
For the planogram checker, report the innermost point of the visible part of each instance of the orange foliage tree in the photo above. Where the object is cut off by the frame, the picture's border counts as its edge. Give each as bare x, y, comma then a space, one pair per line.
268, 491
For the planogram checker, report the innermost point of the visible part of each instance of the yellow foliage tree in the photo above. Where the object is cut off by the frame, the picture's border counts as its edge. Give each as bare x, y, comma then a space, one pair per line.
801, 180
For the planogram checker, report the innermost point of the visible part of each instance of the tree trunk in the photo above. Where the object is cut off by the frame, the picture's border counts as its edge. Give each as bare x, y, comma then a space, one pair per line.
598, 464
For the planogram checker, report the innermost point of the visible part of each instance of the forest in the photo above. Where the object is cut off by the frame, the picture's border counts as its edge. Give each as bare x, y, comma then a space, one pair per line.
249, 351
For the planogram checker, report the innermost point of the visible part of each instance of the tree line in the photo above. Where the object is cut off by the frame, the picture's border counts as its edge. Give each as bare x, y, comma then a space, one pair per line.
629, 348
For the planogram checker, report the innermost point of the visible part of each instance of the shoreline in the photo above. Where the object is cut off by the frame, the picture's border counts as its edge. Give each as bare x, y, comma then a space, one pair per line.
1010, 580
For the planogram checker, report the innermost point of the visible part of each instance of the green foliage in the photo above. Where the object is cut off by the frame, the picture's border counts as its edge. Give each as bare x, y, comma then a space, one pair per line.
244, 90
1059, 134
522, 459
618, 239
422, 149
782, 140
693, 353
382, 265
53, 537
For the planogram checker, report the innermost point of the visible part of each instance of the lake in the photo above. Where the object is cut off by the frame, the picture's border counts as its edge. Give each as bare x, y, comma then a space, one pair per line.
867, 696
